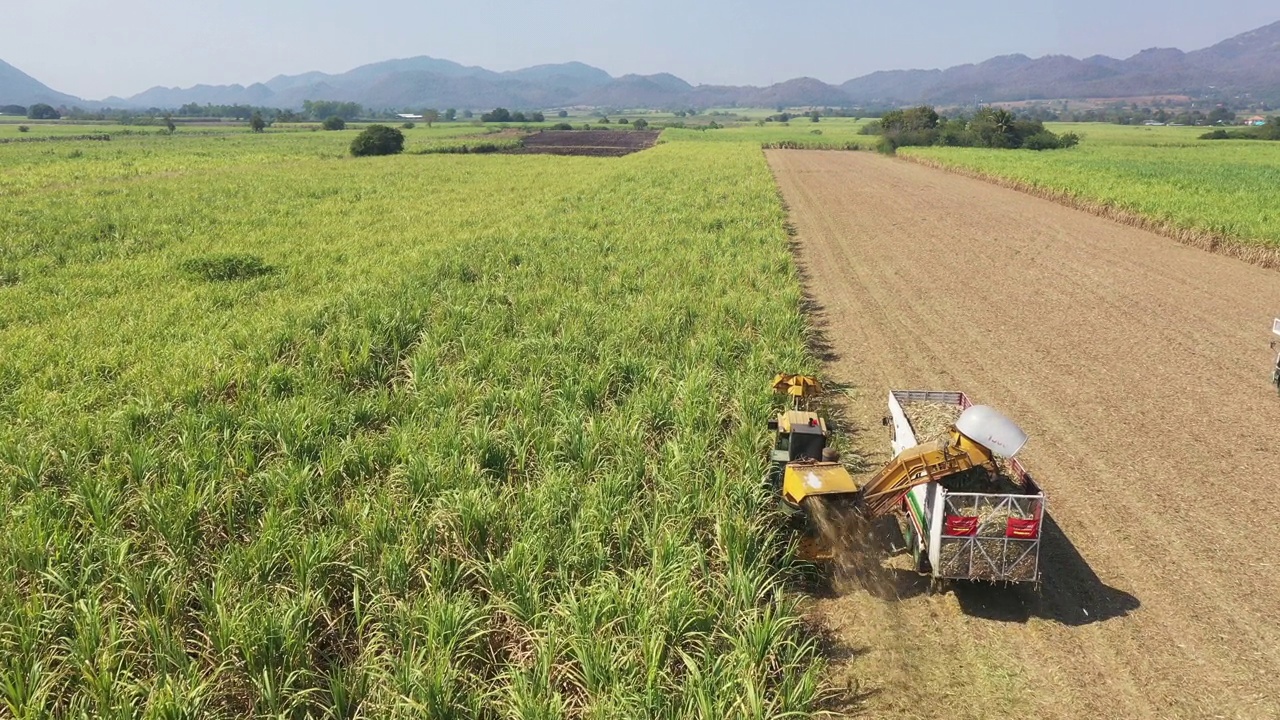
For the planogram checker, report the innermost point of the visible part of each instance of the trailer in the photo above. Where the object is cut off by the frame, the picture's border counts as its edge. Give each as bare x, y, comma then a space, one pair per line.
1275, 371
957, 534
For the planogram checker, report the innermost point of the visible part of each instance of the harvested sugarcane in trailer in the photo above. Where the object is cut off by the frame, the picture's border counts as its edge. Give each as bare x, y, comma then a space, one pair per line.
966, 506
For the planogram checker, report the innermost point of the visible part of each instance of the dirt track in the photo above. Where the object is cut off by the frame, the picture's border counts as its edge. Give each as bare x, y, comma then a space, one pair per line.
1138, 366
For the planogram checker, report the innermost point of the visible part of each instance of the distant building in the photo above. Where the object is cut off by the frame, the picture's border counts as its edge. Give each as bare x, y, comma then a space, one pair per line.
408, 116
1256, 120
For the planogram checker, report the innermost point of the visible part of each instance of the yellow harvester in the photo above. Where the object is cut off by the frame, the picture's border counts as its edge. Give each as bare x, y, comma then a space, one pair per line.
804, 468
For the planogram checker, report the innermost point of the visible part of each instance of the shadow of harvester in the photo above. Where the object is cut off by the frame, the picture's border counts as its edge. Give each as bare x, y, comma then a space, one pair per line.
1070, 591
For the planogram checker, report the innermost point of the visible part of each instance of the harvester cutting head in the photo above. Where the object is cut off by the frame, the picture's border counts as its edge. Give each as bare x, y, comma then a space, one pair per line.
800, 388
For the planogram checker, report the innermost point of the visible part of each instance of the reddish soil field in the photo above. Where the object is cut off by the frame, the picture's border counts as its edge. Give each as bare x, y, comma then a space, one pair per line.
596, 143
1140, 369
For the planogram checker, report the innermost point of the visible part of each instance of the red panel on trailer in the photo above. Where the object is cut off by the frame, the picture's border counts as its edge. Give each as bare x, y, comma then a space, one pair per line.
960, 526
1023, 529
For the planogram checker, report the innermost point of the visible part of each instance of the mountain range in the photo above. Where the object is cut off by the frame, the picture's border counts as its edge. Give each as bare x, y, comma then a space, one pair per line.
17, 87
1248, 63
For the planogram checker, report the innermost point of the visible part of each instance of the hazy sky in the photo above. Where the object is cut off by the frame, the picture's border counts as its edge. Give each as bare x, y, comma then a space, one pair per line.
93, 49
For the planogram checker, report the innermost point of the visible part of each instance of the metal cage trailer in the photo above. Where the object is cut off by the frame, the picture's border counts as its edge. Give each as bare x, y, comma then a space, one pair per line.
954, 535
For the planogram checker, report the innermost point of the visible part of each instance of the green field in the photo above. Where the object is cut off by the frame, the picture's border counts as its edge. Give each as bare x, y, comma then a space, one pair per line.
484, 440
482, 436
1228, 189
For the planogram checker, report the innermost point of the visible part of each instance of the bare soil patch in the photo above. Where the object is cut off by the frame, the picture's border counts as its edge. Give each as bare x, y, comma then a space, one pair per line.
595, 143
1252, 252
1138, 365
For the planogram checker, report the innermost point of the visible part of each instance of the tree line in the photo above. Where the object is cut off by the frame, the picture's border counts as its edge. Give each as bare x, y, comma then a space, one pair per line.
989, 127
1269, 131
39, 111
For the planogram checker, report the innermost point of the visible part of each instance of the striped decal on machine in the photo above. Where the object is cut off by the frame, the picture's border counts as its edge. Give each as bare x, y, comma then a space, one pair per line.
917, 517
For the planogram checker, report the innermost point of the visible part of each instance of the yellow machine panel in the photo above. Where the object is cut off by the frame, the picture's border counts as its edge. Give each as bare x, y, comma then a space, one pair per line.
792, 420
802, 480
917, 466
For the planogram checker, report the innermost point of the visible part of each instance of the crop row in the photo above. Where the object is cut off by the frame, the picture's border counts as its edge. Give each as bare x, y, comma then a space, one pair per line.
477, 437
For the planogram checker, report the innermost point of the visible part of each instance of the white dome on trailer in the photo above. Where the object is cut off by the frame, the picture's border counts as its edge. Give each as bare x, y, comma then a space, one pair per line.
986, 426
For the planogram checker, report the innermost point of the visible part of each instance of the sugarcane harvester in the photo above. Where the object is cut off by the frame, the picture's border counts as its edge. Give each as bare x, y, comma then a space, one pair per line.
805, 469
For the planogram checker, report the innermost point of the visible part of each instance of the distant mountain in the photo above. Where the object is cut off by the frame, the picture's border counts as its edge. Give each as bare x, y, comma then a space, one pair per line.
404, 83
574, 76
633, 91
19, 88
1248, 63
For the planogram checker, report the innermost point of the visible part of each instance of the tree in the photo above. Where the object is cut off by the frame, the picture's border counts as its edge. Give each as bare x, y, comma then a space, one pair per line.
468, 114
995, 128
257, 123
537, 117
562, 114
450, 115
624, 121
41, 111
318, 109
640, 124
815, 116
498, 115
334, 122
13, 110
916, 118
1221, 116
378, 140
430, 116
168, 124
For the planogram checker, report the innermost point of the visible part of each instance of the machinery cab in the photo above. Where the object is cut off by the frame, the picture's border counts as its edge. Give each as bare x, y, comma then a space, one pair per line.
799, 435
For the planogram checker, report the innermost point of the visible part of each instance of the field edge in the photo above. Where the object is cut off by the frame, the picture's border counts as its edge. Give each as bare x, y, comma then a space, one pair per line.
1265, 257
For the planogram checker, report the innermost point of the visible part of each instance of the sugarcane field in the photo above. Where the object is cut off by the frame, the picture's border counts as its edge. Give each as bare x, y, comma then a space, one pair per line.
501, 389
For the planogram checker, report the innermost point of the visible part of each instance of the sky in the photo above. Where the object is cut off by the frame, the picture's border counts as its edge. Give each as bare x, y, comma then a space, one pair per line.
95, 49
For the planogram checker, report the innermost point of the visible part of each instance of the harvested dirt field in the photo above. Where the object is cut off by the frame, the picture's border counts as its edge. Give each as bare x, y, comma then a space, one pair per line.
596, 143
1138, 366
